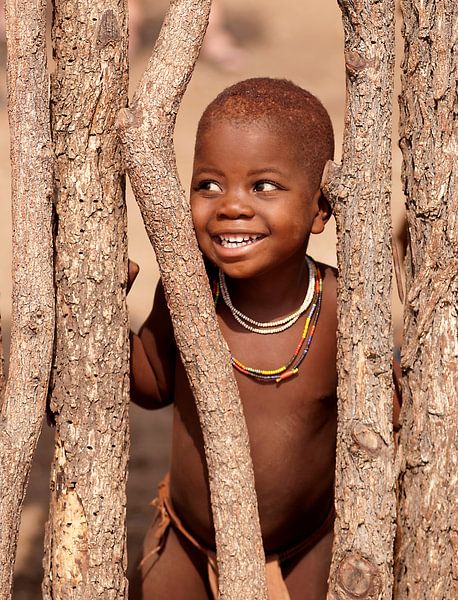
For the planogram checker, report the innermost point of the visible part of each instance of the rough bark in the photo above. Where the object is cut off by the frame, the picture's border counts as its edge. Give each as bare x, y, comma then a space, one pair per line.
360, 192
24, 396
85, 545
147, 134
427, 542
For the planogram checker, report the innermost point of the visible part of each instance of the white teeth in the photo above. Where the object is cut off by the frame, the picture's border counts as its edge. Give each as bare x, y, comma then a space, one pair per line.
237, 241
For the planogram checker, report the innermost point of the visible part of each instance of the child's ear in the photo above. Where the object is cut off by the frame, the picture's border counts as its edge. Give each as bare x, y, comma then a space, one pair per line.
323, 212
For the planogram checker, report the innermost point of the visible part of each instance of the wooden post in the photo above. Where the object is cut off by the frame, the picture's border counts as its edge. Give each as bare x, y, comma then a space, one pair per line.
85, 542
23, 398
360, 193
146, 129
428, 487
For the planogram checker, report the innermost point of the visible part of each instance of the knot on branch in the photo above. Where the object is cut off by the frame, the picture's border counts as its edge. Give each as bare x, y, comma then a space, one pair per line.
367, 439
358, 577
355, 63
109, 29
330, 182
127, 118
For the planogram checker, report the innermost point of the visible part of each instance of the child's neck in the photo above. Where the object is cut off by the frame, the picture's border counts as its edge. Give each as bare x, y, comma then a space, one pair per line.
267, 297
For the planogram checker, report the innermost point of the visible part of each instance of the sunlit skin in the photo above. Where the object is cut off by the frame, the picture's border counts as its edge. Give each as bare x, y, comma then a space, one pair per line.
251, 183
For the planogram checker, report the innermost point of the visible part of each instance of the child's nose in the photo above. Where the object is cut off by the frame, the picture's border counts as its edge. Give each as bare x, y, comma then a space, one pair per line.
234, 206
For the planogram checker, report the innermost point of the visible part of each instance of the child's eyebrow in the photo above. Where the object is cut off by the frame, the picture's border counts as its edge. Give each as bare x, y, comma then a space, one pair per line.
212, 170
265, 170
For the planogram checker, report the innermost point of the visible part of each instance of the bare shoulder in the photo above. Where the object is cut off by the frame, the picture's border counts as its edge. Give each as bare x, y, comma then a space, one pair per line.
329, 275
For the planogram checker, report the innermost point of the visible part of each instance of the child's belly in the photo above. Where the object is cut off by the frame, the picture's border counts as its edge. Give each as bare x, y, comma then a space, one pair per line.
293, 459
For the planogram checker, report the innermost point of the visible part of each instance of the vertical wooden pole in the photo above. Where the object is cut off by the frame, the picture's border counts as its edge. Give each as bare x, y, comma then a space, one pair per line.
428, 518
85, 541
360, 193
23, 398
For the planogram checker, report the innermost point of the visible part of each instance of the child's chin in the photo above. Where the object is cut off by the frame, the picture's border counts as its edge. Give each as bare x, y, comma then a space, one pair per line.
237, 271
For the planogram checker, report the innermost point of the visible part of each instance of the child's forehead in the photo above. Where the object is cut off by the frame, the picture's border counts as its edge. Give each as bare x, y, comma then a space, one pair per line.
275, 133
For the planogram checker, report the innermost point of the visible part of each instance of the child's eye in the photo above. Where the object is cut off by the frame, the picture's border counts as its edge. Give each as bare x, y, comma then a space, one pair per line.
265, 186
209, 186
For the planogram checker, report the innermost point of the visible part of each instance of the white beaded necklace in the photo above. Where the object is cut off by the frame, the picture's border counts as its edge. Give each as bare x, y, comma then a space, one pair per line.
268, 327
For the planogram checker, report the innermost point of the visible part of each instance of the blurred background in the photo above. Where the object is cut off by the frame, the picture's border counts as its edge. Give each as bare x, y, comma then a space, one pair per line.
301, 41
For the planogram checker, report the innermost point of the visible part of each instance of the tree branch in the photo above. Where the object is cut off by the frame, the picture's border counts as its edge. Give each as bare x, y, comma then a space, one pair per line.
360, 193
146, 131
428, 485
85, 548
33, 292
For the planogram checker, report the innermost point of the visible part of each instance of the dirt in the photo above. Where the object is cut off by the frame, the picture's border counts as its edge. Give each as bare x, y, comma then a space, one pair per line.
302, 41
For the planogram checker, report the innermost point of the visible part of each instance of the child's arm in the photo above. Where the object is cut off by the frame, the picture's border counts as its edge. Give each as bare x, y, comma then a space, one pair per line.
152, 358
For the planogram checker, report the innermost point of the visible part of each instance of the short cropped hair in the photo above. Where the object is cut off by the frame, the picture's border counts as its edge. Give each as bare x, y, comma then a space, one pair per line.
284, 107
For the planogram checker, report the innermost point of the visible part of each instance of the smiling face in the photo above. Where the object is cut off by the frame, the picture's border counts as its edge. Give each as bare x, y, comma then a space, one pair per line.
252, 206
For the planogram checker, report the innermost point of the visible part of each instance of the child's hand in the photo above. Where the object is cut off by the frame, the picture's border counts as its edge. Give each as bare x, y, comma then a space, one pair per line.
132, 272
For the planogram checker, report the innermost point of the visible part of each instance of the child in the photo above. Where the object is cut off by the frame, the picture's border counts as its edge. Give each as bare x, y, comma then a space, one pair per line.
255, 197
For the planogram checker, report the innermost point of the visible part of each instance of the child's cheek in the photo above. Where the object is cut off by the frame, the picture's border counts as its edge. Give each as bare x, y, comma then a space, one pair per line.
196, 221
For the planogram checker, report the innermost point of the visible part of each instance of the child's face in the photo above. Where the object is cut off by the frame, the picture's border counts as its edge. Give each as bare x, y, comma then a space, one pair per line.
251, 202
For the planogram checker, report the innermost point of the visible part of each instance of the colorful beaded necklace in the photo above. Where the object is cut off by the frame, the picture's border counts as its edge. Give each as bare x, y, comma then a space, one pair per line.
292, 366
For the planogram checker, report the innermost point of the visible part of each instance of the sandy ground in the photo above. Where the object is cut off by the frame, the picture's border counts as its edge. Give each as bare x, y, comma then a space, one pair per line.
302, 41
